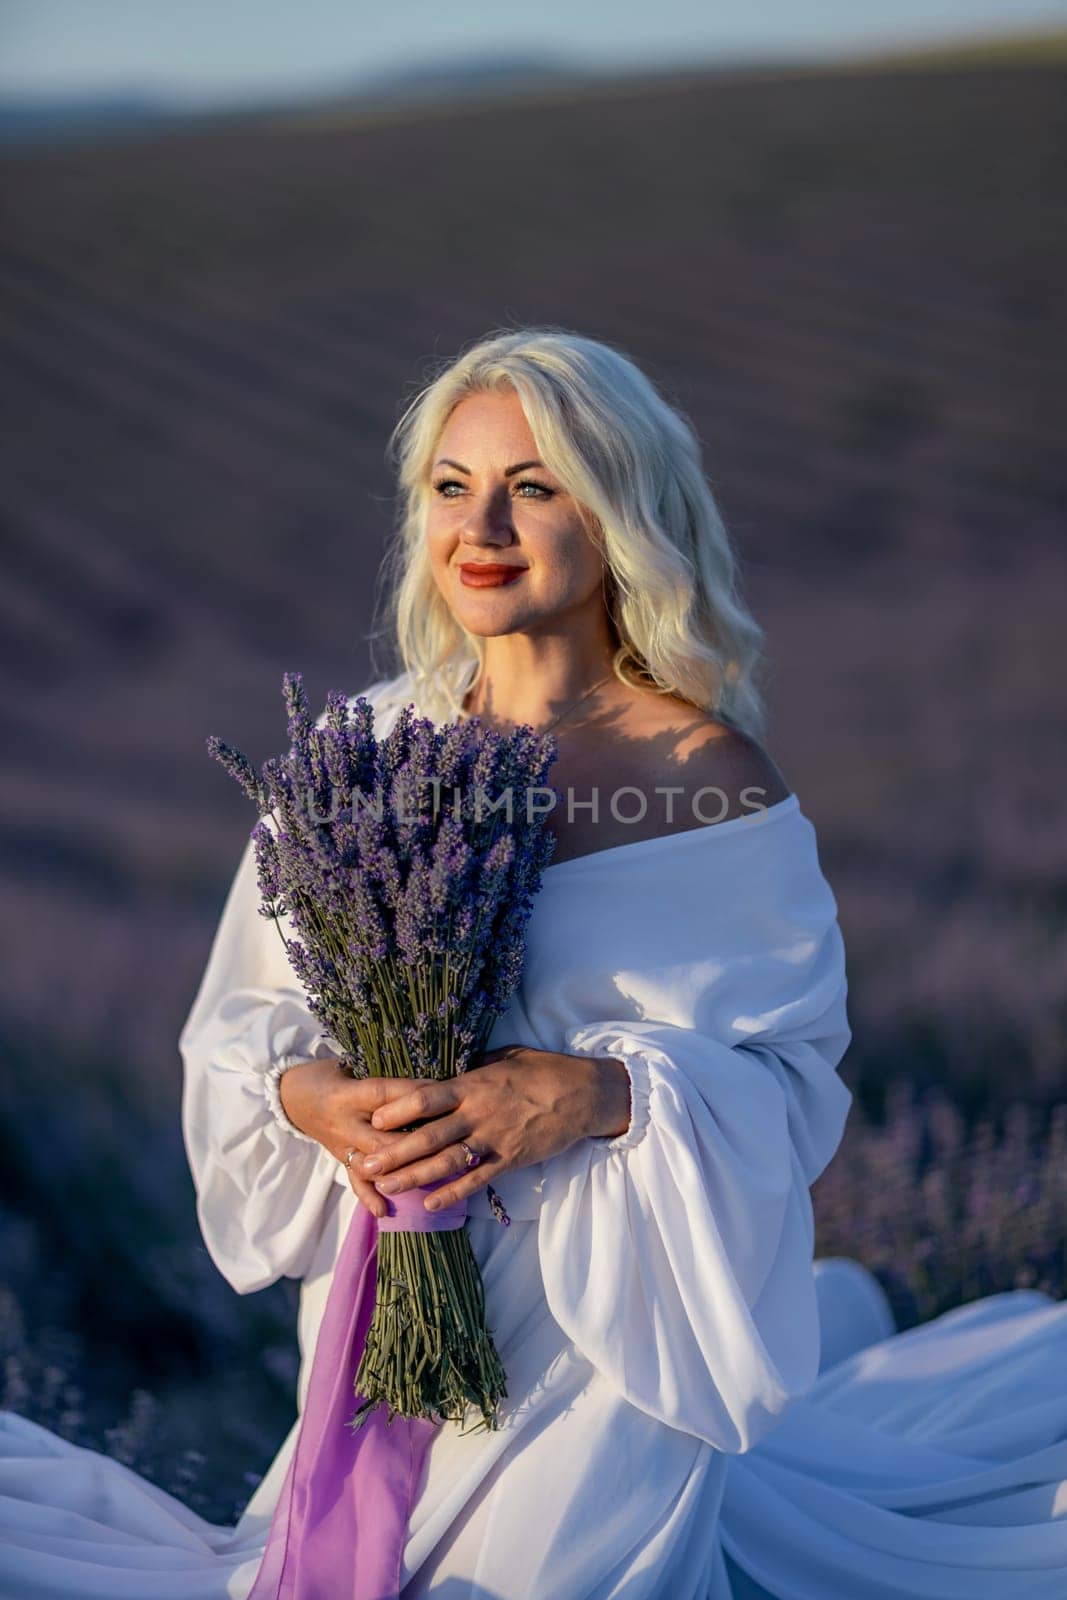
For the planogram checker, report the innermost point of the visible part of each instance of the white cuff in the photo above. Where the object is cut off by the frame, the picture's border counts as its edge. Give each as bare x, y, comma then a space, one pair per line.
637, 1070
272, 1090
272, 1083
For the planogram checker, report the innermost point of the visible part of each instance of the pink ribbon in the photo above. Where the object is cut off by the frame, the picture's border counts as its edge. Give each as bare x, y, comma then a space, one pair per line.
340, 1525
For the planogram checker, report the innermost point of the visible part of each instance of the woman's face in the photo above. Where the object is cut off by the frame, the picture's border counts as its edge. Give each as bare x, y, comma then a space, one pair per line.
492, 507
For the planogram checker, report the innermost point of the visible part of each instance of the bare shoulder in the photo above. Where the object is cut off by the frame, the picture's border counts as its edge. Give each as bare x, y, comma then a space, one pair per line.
724, 757
702, 752
656, 765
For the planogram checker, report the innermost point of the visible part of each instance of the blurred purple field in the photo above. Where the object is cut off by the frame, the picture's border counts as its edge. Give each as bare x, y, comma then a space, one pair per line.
851, 282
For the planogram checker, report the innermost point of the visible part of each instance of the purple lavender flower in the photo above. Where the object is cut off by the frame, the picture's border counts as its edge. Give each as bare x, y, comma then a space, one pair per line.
238, 766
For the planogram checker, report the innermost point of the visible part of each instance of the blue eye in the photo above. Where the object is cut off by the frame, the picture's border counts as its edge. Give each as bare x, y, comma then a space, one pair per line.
444, 484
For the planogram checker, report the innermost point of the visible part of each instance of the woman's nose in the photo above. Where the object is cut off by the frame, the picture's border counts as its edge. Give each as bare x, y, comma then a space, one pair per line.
489, 522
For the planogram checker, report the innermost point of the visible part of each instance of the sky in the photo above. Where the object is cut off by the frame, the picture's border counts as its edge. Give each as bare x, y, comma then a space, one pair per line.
214, 51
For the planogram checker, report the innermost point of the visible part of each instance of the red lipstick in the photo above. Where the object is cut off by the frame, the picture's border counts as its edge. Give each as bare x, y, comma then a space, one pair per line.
488, 574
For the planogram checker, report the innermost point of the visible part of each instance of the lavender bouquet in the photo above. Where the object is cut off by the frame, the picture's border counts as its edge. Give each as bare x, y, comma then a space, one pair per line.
407, 867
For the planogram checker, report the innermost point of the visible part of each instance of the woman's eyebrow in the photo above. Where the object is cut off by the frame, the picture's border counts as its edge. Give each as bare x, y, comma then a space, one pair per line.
446, 461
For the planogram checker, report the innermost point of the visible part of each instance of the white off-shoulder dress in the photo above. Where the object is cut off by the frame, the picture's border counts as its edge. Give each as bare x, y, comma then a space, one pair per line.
696, 1410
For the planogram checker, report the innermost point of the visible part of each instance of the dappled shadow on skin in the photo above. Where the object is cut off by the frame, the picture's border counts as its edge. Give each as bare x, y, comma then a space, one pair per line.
694, 752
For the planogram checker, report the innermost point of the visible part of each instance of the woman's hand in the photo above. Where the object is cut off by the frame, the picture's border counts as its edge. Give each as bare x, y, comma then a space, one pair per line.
518, 1107
324, 1101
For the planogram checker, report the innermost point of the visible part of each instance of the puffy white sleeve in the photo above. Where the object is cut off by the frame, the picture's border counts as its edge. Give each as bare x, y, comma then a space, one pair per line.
678, 1256
262, 1186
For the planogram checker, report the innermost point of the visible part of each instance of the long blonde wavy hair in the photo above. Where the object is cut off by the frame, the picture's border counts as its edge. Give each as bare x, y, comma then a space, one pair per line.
633, 464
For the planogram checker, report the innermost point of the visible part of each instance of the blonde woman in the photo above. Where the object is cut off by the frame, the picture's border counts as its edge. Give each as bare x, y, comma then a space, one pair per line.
696, 1409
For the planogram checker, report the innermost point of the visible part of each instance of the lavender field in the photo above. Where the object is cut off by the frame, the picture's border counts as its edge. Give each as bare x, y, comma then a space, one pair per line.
850, 280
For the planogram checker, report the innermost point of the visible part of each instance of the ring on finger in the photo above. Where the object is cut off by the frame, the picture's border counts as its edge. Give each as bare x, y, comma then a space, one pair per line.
350, 1156
473, 1157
